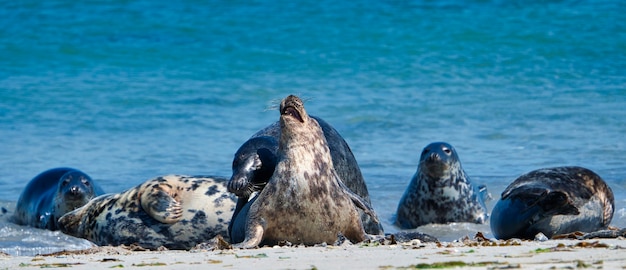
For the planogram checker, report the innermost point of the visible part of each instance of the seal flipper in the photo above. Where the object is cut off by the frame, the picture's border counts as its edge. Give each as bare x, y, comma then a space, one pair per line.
484, 194
161, 206
254, 234
358, 201
241, 203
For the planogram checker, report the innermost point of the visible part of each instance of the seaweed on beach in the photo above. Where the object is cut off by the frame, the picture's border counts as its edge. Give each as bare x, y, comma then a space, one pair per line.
611, 232
149, 264
106, 250
454, 264
480, 240
50, 265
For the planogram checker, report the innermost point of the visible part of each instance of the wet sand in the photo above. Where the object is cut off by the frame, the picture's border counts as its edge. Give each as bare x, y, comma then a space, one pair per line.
593, 253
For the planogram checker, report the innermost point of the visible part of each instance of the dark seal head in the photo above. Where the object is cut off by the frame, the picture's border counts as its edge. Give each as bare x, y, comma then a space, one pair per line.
53, 193
253, 166
304, 202
441, 192
553, 201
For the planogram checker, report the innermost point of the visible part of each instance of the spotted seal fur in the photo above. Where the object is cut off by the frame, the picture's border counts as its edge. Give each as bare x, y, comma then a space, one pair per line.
51, 194
304, 202
553, 201
441, 192
255, 161
173, 211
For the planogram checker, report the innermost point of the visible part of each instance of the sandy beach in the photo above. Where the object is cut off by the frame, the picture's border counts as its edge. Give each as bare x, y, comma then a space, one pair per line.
593, 253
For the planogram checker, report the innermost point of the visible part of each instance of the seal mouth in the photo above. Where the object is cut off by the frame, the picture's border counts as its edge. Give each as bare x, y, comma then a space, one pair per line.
434, 167
293, 112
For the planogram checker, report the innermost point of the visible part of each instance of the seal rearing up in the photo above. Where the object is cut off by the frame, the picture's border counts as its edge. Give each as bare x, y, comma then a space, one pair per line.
304, 202
255, 162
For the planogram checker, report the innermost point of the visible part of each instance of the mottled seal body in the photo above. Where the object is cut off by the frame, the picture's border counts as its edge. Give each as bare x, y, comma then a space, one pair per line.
256, 159
553, 201
304, 202
441, 192
173, 211
51, 194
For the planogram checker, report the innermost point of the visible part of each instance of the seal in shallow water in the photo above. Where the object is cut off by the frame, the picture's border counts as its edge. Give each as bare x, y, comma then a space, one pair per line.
173, 211
304, 202
553, 201
51, 194
255, 161
441, 192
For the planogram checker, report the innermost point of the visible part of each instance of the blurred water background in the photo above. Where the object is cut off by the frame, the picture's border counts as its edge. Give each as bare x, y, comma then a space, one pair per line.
129, 90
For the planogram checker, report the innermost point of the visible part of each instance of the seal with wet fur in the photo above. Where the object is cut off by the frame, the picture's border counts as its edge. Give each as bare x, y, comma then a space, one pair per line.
304, 202
255, 161
553, 201
51, 194
173, 211
441, 192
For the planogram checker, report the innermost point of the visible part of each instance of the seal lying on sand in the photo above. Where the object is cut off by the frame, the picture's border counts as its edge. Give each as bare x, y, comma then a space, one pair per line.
51, 194
553, 201
173, 211
304, 202
256, 159
441, 192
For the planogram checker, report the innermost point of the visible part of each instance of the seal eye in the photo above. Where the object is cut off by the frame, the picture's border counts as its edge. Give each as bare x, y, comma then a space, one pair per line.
447, 150
85, 182
65, 182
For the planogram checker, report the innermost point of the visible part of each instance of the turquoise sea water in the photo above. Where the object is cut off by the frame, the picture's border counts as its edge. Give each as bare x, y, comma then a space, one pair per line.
130, 90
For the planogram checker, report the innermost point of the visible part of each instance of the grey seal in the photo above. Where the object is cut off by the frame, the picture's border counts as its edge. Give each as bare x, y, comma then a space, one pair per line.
173, 211
255, 161
553, 201
441, 192
51, 194
304, 202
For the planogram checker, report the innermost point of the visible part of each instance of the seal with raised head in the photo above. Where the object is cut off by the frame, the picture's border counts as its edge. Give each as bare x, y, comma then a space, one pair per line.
553, 201
255, 161
173, 211
441, 192
51, 194
304, 202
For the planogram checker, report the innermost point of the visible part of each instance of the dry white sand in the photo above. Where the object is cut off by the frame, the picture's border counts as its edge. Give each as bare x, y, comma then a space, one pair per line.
594, 253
